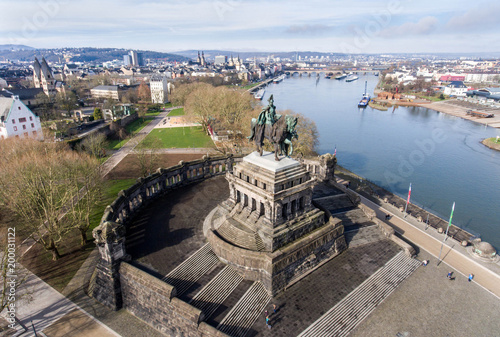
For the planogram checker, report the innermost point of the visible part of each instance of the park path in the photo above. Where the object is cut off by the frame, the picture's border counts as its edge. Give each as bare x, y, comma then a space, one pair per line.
453, 254
126, 149
43, 306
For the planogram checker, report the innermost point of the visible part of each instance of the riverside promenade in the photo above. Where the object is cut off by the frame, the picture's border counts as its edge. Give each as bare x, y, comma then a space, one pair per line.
425, 237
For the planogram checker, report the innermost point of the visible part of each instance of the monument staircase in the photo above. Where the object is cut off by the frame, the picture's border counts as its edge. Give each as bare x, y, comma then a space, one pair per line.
352, 309
245, 308
210, 297
185, 275
244, 314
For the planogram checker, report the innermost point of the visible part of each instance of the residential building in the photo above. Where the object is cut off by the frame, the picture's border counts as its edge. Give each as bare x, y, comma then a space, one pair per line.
159, 89
105, 91
456, 88
17, 120
29, 96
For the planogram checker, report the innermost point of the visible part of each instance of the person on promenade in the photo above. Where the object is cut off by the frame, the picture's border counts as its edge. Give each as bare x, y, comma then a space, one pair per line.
425, 262
274, 308
471, 276
266, 313
449, 275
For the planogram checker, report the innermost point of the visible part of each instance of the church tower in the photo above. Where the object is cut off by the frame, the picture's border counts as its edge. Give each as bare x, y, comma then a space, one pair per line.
43, 77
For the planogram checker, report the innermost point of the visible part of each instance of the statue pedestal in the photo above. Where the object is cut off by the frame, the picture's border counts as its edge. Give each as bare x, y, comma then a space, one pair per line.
268, 229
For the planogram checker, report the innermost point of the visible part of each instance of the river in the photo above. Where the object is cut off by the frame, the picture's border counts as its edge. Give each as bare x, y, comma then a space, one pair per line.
440, 155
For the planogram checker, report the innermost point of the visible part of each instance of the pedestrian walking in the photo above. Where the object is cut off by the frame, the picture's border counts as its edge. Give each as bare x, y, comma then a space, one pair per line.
274, 308
267, 320
449, 275
266, 313
425, 262
471, 276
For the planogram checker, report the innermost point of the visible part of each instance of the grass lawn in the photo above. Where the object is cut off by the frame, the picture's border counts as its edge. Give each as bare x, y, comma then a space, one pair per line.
249, 86
152, 114
184, 137
432, 98
176, 112
59, 273
131, 129
110, 192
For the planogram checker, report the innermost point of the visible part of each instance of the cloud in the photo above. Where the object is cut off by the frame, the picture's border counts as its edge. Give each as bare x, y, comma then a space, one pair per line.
482, 17
308, 29
424, 26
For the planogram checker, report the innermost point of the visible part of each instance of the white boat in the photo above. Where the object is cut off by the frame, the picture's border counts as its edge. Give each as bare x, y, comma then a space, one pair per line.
351, 78
260, 94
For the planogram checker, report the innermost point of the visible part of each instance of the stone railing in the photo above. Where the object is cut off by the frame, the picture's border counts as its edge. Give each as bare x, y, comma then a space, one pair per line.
131, 200
118, 284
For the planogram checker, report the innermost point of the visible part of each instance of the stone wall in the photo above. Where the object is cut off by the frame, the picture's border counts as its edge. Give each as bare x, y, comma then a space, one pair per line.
152, 300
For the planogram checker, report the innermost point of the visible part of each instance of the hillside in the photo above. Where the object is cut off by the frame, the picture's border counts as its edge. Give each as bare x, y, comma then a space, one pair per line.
97, 55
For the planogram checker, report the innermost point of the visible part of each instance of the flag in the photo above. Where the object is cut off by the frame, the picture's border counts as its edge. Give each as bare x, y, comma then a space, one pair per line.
335, 153
409, 194
451, 215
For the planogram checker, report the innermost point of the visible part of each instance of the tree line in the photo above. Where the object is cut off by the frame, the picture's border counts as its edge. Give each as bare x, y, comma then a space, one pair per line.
50, 188
232, 110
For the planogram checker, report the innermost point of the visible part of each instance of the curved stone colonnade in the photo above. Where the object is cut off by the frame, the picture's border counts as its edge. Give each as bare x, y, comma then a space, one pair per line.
110, 234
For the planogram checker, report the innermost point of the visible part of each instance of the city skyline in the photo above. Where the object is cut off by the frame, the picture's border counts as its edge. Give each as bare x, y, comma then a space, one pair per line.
394, 26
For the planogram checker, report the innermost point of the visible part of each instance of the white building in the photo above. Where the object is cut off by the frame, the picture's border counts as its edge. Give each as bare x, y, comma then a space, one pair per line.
105, 91
159, 89
455, 88
17, 120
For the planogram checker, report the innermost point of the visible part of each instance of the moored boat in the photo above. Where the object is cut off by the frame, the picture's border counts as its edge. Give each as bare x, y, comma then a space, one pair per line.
351, 78
340, 77
260, 94
365, 99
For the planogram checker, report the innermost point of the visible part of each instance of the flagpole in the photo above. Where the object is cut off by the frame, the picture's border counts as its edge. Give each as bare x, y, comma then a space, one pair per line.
407, 201
446, 234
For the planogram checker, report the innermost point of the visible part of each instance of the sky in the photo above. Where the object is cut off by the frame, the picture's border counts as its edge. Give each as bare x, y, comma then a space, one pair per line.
356, 26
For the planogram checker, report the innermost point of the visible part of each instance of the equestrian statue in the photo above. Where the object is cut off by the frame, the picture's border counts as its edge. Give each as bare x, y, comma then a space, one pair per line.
278, 130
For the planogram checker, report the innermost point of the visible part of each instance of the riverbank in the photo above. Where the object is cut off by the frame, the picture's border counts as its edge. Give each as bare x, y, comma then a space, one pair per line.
459, 109
381, 196
491, 143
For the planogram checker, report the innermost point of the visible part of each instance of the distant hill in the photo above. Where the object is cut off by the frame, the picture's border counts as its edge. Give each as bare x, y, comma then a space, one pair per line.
97, 55
210, 54
15, 47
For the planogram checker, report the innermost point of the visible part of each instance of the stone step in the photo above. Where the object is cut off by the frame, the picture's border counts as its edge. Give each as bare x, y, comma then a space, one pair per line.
351, 310
243, 315
363, 235
192, 269
216, 291
232, 231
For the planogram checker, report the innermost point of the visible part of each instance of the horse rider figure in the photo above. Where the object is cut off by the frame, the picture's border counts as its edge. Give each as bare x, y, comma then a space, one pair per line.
267, 117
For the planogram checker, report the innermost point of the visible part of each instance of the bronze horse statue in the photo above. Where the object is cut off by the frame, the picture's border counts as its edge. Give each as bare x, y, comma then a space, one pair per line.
280, 134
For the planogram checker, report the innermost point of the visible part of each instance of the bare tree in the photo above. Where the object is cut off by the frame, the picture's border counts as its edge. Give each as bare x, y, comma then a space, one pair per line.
143, 92
86, 179
307, 134
37, 185
147, 157
94, 144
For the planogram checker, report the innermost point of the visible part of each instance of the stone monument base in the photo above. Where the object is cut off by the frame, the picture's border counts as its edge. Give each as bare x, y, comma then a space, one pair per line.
279, 269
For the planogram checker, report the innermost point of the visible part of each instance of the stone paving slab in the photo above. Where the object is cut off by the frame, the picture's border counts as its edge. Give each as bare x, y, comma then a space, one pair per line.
170, 229
77, 324
313, 296
428, 304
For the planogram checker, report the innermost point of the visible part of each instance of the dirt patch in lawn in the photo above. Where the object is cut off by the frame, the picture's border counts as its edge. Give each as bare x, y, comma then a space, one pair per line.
128, 168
